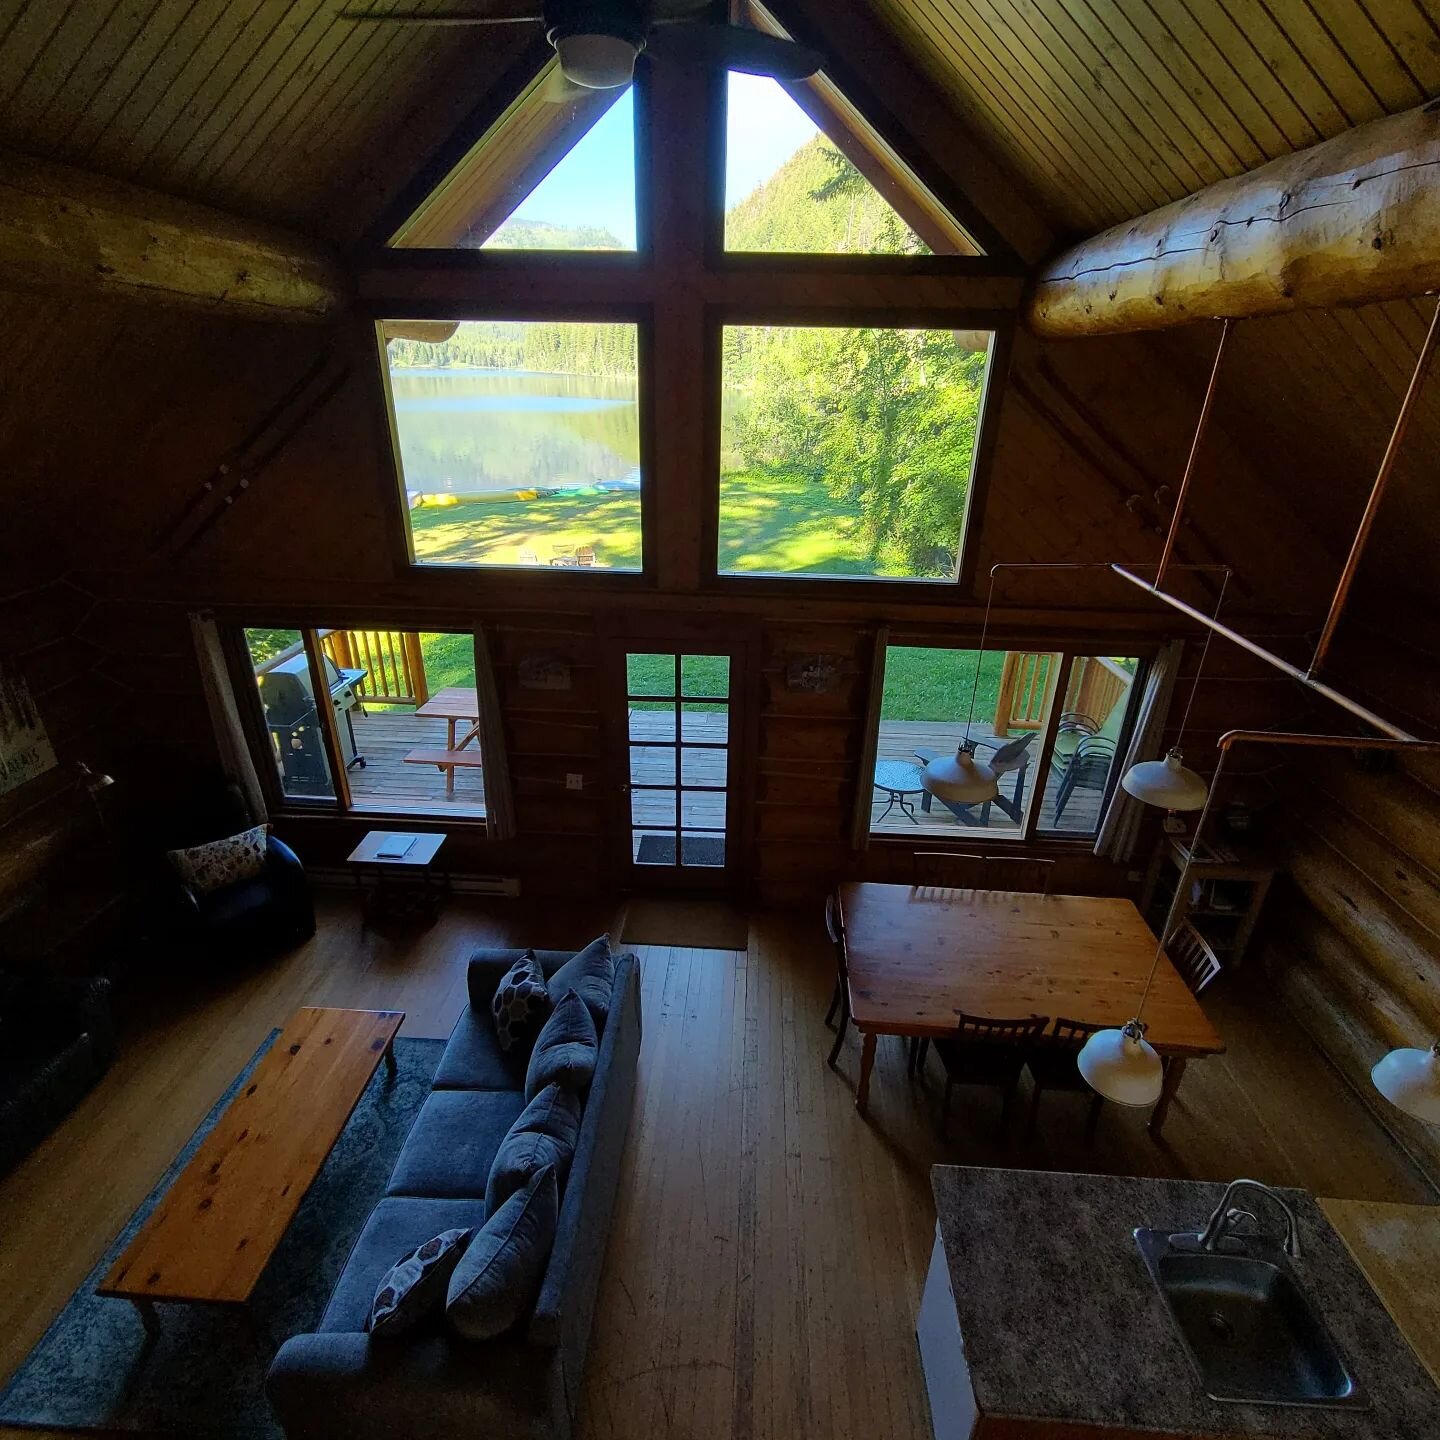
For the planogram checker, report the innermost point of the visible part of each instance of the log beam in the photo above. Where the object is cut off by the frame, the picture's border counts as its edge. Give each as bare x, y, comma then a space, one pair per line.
67, 231
1352, 220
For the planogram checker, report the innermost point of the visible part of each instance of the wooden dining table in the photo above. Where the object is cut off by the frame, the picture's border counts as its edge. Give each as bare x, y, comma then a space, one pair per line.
917, 956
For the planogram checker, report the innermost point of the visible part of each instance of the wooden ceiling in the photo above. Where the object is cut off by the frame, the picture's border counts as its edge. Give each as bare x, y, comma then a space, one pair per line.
269, 108
1110, 108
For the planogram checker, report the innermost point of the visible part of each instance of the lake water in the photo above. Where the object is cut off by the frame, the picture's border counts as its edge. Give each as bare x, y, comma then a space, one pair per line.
470, 431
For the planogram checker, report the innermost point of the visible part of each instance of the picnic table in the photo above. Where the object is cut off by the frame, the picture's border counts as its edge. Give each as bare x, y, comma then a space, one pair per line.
456, 705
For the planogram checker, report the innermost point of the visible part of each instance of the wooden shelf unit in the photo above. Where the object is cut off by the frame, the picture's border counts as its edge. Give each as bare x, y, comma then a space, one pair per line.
1240, 885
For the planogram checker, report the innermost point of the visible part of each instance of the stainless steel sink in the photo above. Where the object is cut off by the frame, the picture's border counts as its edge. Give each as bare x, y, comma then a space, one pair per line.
1251, 1334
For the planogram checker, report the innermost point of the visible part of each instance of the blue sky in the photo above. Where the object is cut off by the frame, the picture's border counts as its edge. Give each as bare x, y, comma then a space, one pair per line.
595, 183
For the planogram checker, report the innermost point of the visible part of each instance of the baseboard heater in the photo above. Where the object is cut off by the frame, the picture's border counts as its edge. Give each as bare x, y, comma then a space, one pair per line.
506, 886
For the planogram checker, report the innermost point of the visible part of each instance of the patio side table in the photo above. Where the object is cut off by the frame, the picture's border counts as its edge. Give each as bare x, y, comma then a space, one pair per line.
898, 779
399, 880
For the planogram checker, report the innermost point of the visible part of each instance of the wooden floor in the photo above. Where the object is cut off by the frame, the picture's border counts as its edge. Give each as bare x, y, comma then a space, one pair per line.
769, 1245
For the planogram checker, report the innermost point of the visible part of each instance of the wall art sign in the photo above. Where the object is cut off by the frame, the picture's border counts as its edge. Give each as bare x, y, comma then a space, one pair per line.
25, 750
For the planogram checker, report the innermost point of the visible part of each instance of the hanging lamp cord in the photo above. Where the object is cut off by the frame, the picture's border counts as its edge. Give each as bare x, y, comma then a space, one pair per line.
1204, 655
979, 656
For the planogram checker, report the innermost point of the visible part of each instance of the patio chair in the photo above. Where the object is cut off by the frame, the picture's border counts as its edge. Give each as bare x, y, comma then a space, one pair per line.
1089, 769
1051, 1062
985, 1051
1191, 955
585, 557
529, 557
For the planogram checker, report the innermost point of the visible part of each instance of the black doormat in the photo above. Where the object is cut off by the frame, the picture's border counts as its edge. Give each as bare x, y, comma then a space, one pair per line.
698, 850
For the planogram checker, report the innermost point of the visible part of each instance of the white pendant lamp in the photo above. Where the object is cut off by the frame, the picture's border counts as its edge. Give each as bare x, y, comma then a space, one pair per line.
1410, 1080
1168, 784
961, 778
1122, 1065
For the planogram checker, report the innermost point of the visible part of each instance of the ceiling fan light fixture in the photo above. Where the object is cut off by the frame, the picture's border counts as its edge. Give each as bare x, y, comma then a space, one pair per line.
1122, 1065
960, 778
597, 60
1410, 1080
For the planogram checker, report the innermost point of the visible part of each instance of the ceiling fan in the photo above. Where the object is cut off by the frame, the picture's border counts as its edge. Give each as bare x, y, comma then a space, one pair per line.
598, 41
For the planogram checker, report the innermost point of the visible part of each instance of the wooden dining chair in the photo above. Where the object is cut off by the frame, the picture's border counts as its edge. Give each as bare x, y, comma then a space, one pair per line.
987, 1051
1191, 955
1051, 1061
944, 869
1019, 873
840, 1000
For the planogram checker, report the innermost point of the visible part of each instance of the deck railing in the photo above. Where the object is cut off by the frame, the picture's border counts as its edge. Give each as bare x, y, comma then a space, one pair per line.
1097, 685
1026, 681
393, 662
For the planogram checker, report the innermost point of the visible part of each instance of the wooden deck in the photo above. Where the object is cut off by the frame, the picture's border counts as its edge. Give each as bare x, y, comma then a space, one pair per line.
387, 785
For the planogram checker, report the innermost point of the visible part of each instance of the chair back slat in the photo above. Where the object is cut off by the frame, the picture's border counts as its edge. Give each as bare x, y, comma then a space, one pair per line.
836, 931
1191, 955
988, 1030
1019, 873
1069, 1034
945, 869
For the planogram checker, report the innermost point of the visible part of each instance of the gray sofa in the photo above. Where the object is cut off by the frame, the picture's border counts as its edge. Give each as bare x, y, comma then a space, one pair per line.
340, 1383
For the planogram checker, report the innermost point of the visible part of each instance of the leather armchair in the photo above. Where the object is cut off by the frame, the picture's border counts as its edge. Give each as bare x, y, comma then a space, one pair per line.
272, 911
56, 1040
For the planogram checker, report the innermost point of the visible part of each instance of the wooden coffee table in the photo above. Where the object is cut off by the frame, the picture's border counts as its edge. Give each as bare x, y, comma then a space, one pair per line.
214, 1230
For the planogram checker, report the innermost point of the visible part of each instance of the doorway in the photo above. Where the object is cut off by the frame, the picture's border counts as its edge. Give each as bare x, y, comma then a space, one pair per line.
679, 723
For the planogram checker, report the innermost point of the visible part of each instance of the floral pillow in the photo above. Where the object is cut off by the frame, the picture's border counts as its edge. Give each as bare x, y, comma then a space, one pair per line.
222, 862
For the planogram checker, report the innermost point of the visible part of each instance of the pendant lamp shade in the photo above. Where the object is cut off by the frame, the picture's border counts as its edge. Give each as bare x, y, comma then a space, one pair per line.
1167, 784
960, 778
1122, 1065
1410, 1080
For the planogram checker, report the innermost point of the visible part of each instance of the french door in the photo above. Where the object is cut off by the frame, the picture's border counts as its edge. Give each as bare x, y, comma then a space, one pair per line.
678, 819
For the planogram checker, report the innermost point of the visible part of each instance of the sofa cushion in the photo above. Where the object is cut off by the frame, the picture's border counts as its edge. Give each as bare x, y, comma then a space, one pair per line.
565, 1049
591, 975
545, 1134
520, 1005
452, 1144
413, 1289
473, 1060
396, 1226
211, 867
495, 1284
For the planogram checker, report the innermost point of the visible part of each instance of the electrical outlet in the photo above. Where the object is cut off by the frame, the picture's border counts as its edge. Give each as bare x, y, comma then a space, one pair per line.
574, 781
1134, 876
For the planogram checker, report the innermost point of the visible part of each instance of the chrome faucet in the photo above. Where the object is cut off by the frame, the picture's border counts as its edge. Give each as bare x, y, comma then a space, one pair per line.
1223, 1215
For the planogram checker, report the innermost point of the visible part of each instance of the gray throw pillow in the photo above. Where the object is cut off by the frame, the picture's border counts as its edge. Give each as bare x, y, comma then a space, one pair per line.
414, 1288
565, 1049
520, 1003
591, 975
496, 1282
544, 1134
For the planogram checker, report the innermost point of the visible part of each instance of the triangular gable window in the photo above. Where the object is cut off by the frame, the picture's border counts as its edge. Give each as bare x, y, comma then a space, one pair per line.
805, 174
550, 174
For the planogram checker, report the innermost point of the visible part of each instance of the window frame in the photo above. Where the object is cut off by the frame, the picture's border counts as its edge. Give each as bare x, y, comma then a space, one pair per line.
1001, 324
341, 805
402, 536
1032, 834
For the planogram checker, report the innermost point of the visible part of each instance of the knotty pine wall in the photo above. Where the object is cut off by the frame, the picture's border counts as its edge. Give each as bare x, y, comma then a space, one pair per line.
119, 413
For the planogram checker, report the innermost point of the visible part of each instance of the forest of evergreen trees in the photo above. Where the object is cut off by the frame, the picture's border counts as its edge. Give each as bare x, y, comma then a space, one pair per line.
556, 348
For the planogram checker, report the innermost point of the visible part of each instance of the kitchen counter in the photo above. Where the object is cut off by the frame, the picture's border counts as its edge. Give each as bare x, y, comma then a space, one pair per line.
1060, 1321
1398, 1248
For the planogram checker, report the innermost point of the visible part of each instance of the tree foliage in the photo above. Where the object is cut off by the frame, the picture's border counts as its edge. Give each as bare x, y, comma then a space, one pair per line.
555, 348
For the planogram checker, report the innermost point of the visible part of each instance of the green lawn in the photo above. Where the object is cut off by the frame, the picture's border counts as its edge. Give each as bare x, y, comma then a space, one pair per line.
922, 683
770, 523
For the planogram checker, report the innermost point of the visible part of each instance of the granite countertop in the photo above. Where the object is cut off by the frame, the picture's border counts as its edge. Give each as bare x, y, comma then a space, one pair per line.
1061, 1320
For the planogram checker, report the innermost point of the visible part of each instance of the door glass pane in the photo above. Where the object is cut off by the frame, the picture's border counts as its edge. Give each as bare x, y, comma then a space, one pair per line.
705, 675
652, 809
709, 724
292, 721
926, 711
702, 850
652, 765
653, 847
703, 810
655, 723
703, 767
650, 674
1091, 734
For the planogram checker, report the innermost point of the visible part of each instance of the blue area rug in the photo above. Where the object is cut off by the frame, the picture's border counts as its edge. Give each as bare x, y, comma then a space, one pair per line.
205, 1375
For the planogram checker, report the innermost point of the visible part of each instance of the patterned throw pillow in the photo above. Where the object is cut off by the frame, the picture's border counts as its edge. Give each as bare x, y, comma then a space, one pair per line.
222, 862
414, 1287
521, 1004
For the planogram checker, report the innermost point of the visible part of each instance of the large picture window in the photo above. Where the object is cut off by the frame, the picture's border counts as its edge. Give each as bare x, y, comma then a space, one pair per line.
848, 452
1050, 725
519, 444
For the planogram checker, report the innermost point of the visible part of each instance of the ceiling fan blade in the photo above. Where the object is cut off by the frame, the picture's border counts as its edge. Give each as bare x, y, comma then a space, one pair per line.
732, 47
436, 17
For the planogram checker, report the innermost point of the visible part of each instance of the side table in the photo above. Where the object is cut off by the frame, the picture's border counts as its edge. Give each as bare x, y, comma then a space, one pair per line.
397, 877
